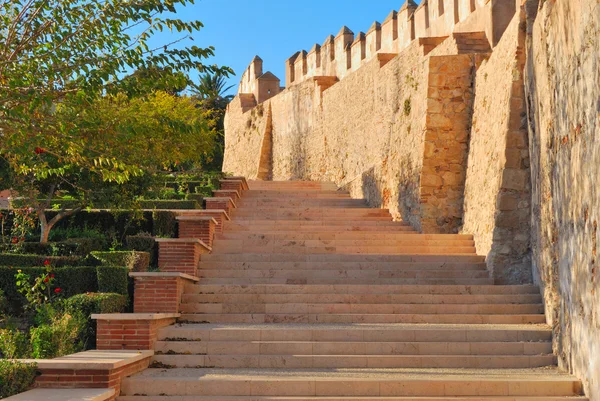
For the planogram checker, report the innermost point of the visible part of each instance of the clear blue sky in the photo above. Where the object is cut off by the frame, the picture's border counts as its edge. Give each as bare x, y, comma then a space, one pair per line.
276, 29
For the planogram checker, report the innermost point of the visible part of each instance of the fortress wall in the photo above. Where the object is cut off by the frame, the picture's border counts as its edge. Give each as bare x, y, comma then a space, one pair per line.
497, 192
395, 134
563, 93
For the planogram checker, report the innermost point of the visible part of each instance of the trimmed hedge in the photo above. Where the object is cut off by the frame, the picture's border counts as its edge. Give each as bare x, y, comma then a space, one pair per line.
92, 303
69, 247
169, 204
133, 260
143, 243
71, 280
122, 222
164, 224
16, 377
113, 279
14, 259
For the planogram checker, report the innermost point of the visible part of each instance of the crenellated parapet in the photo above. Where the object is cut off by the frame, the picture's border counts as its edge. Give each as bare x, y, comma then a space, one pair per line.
430, 22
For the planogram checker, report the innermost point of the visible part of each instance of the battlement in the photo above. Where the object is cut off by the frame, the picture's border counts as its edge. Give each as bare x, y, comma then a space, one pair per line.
346, 52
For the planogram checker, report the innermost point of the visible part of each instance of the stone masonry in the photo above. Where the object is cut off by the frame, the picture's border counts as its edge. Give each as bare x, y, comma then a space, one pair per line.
460, 116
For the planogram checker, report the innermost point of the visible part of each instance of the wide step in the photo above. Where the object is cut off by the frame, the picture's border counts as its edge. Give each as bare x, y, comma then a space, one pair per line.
350, 382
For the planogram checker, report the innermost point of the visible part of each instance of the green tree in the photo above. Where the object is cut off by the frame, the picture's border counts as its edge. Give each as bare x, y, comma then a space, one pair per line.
65, 125
211, 92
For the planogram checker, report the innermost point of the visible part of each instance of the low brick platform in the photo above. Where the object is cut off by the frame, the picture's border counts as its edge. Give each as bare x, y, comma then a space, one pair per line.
231, 184
85, 394
130, 331
220, 203
159, 292
227, 193
180, 255
90, 369
198, 227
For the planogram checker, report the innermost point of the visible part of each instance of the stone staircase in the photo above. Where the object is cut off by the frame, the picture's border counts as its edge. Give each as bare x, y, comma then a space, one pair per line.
310, 295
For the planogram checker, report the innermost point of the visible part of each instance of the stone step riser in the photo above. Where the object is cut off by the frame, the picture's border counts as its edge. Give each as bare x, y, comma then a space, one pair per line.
348, 266
291, 224
221, 248
246, 202
366, 243
360, 289
307, 398
364, 299
346, 281
312, 218
309, 387
349, 236
367, 309
363, 318
235, 228
328, 274
357, 258
356, 333
373, 361
349, 348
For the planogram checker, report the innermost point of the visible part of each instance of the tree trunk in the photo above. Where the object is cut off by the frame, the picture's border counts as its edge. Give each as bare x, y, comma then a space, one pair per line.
46, 226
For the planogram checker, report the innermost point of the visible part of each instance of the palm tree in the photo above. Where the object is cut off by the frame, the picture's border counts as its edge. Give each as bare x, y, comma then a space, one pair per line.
210, 90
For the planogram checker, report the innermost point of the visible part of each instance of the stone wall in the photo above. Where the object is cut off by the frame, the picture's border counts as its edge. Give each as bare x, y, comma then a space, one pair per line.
563, 93
497, 194
371, 133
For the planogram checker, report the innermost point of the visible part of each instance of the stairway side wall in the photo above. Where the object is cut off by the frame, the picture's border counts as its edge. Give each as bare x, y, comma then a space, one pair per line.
563, 94
498, 188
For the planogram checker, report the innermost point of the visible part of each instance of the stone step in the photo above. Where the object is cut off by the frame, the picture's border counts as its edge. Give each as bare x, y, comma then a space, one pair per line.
350, 382
247, 202
305, 226
362, 299
357, 258
348, 266
361, 289
347, 281
318, 210
367, 309
337, 236
290, 225
358, 332
350, 398
295, 193
346, 348
340, 247
330, 273
355, 361
412, 241
324, 219
316, 318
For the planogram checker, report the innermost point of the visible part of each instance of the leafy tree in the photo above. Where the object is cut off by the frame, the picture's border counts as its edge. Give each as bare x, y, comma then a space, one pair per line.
65, 125
211, 94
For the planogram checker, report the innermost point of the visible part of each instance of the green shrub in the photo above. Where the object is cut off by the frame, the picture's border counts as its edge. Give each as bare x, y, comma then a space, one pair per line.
16, 377
205, 191
68, 247
169, 204
164, 224
198, 197
14, 344
3, 303
133, 260
71, 280
14, 259
98, 223
142, 243
113, 279
92, 303
62, 336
